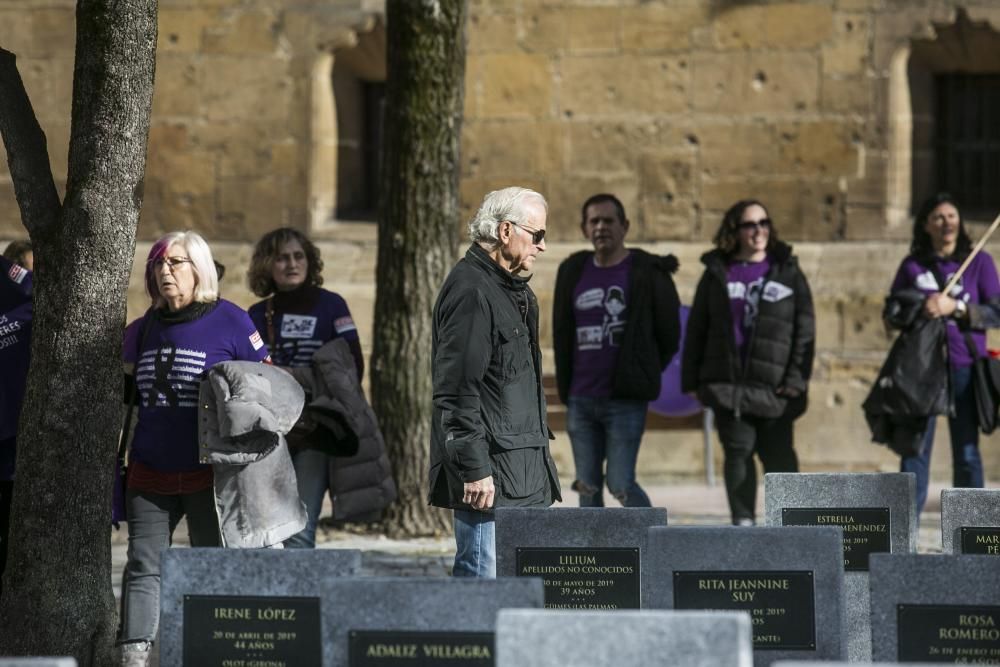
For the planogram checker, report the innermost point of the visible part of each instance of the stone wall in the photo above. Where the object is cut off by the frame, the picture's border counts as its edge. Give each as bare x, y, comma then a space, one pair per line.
680, 107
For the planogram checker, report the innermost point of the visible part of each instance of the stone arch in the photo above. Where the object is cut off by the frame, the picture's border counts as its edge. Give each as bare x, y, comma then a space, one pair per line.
340, 78
962, 45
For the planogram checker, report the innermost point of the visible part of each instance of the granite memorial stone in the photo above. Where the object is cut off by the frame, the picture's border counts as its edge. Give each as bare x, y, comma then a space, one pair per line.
936, 609
588, 557
790, 581
418, 621
970, 521
240, 606
877, 514
625, 638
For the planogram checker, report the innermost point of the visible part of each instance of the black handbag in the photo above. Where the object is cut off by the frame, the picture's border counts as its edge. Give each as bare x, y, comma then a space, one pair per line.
985, 386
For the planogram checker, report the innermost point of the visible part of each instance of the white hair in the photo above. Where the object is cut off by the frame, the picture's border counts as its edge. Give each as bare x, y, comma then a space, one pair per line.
499, 205
206, 289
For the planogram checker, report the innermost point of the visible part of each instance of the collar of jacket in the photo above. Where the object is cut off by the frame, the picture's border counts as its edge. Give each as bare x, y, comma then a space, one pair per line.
481, 259
715, 259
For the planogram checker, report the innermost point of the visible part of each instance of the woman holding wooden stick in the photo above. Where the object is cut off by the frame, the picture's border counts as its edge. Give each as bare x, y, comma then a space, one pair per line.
940, 249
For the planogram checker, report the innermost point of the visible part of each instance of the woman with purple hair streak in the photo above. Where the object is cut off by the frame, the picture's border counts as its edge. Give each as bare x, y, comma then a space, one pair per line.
187, 330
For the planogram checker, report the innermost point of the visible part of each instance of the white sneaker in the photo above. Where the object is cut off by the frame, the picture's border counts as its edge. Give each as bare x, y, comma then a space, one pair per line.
135, 654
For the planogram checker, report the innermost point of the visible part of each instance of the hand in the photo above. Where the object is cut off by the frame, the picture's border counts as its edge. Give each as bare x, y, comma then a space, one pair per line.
479, 494
788, 392
939, 305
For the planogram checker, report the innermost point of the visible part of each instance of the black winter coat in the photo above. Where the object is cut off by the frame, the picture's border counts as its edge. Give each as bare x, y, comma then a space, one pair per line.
652, 325
781, 342
489, 413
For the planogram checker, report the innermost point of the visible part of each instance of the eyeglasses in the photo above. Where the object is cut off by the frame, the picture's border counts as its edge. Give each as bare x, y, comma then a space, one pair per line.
754, 225
537, 235
172, 262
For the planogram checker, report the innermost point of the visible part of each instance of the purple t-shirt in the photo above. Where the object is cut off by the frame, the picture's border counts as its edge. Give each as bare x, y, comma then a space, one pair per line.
171, 365
599, 311
15, 355
299, 332
745, 281
978, 284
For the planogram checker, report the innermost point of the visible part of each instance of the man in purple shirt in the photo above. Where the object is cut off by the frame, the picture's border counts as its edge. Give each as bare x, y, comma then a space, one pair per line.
616, 325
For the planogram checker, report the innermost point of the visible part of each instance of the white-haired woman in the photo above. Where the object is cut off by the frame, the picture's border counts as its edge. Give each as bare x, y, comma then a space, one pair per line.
187, 330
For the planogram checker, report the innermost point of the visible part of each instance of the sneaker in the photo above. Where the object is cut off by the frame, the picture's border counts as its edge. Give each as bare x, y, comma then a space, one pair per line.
745, 521
135, 654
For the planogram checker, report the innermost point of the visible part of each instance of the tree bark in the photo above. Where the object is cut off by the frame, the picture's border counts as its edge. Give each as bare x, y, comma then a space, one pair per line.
57, 597
417, 236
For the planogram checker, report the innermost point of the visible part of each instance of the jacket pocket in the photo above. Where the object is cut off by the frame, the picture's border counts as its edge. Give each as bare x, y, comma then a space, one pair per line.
513, 354
519, 473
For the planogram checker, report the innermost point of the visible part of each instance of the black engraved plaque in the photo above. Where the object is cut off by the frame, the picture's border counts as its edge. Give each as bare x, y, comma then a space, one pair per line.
244, 631
985, 540
584, 578
956, 634
866, 529
782, 604
387, 648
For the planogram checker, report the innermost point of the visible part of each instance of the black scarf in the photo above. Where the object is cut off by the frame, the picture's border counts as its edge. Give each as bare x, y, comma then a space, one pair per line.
188, 313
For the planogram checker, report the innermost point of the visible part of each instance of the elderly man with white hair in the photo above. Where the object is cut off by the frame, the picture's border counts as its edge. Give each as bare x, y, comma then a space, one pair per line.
489, 438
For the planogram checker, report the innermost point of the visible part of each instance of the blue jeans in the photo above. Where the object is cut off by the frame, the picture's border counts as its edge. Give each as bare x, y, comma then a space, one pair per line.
606, 429
475, 545
967, 466
312, 475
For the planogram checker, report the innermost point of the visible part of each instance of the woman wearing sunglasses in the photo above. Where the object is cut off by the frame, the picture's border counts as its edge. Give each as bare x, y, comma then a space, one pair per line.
749, 347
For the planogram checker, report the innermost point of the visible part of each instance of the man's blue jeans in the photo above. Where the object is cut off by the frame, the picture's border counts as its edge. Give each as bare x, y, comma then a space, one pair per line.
967, 465
606, 429
312, 475
475, 545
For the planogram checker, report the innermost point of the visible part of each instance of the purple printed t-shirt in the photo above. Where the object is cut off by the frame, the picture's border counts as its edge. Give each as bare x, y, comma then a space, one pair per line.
978, 284
171, 365
745, 281
599, 311
300, 331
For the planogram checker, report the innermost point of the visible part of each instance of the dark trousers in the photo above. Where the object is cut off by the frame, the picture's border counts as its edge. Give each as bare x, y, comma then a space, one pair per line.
771, 439
152, 519
6, 491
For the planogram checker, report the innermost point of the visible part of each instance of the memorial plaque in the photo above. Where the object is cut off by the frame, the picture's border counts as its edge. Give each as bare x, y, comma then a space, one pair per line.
242, 631
386, 648
957, 634
984, 540
866, 529
781, 603
584, 578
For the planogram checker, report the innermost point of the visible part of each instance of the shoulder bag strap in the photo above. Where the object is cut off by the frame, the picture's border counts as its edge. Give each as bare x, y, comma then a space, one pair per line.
133, 387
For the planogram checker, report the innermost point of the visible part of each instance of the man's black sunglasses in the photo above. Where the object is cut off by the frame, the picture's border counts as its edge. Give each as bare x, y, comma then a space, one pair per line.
537, 235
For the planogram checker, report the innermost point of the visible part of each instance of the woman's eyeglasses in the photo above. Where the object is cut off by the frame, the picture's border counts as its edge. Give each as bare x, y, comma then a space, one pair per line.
754, 225
172, 262
537, 235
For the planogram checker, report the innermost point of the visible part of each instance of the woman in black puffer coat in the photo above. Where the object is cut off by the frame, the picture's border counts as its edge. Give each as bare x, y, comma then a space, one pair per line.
749, 349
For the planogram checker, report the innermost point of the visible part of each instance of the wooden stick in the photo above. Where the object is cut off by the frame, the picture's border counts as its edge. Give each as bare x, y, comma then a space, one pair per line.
975, 251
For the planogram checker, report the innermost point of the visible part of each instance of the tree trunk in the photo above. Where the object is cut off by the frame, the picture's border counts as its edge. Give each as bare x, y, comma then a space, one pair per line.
417, 236
57, 597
